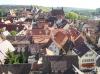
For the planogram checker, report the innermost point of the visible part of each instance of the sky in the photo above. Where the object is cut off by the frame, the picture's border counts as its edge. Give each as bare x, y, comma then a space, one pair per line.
91, 4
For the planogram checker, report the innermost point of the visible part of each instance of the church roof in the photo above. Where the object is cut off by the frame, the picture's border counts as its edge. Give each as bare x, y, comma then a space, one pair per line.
55, 12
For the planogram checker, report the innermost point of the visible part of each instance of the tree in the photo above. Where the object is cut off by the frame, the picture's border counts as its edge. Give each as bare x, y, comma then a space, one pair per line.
0, 13
81, 17
3, 13
13, 33
71, 15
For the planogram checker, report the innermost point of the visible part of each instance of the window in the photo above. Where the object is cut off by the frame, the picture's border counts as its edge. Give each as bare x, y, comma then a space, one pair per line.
86, 55
82, 61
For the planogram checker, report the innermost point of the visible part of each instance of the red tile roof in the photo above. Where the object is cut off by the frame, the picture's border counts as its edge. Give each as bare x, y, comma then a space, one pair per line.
60, 38
11, 26
40, 35
73, 33
40, 32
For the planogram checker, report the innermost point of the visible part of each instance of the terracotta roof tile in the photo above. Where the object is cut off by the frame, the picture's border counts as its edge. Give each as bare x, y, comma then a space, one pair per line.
19, 39
73, 33
11, 26
40, 35
40, 32
60, 38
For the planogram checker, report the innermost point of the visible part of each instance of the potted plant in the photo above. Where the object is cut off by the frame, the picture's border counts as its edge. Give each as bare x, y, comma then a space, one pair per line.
15, 63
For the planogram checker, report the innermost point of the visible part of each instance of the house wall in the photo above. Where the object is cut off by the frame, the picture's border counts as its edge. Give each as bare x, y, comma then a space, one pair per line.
20, 48
98, 70
88, 73
98, 42
54, 48
88, 28
89, 57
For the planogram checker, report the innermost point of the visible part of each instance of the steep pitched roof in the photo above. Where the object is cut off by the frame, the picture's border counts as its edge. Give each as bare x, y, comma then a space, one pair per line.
39, 31
19, 39
47, 44
73, 33
55, 12
60, 38
40, 35
80, 47
12, 27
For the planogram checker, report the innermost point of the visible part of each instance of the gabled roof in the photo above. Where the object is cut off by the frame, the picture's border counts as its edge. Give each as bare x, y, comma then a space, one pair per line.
73, 33
47, 44
12, 27
55, 12
92, 22
62, 23
80, 47
19, 39
40, 35
39, 31
60, 37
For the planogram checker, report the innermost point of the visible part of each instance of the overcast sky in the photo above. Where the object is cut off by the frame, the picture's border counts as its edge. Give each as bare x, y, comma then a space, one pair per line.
92, 4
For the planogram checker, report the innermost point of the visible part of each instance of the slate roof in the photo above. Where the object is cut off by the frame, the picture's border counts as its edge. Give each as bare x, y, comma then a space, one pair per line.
52, 20
62, 23
56, 12
80, 47
73, 33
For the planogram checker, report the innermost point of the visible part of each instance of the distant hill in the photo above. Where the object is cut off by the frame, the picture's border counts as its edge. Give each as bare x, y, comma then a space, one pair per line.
6, 7
80, 11
66, 9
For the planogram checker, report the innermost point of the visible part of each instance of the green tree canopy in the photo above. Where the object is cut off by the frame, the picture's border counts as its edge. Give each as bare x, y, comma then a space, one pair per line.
2, 13
82, 17
13, 33
71, 15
